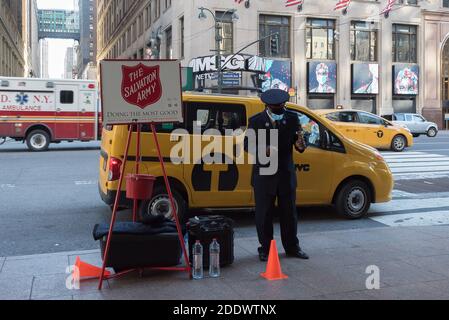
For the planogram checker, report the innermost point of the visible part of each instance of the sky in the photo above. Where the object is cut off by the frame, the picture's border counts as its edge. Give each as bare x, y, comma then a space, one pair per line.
57, 47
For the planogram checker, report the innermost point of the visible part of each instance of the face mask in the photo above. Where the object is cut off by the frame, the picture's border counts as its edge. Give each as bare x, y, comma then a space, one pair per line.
277, 114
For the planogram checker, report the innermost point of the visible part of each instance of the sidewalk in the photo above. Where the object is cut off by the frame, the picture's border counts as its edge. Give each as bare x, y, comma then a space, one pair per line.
413, 263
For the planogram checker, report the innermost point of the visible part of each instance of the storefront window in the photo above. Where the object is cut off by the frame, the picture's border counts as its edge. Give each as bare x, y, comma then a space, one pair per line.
279, 46
363, 41
404, 43
320, 39
445, 72
227, 32
445, 3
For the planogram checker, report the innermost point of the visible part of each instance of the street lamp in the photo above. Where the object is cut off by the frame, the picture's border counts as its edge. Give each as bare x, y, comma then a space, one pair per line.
218, 37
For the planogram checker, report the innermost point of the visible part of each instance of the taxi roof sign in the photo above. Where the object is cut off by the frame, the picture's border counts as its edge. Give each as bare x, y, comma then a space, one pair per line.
141, 91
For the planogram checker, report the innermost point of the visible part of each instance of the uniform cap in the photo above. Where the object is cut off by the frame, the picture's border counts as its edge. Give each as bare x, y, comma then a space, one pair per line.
275, 97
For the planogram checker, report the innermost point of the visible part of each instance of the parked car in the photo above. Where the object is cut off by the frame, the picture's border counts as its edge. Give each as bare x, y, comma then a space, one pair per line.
369, 129
333, 170
416, 123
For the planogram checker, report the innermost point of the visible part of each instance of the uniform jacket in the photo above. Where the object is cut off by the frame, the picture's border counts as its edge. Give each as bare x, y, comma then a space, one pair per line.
284, 180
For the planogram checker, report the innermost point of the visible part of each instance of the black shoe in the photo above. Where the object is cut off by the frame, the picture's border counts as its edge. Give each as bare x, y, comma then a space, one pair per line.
263, 255
298, 253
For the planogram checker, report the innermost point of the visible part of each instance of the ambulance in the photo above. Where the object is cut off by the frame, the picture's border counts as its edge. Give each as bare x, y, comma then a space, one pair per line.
43, 111
334, 170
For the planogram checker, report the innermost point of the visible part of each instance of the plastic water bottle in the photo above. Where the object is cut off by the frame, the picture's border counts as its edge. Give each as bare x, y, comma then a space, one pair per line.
214, 259
197, 260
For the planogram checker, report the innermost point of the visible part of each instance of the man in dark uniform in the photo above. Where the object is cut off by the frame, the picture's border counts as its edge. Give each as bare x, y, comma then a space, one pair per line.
282, 184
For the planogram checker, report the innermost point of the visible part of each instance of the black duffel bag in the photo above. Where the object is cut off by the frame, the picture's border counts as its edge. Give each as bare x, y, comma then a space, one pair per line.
135, 245
207, 228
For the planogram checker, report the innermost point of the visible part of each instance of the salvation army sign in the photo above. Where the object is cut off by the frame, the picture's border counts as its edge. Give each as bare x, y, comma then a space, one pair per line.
141, 85
140, 91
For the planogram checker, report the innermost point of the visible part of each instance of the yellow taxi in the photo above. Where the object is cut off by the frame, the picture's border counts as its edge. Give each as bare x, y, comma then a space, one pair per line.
334, 170
369, 129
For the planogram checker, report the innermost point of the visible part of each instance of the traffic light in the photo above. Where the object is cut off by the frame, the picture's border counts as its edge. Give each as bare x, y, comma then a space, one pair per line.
274, 45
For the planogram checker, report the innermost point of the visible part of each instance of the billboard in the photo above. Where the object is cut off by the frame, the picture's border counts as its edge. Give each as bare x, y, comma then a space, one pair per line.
278, 75
322, 77
143, 91
406, 79
365, 78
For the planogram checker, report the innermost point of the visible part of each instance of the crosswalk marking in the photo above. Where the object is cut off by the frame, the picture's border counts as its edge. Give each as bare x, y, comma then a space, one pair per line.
86, 183
419, 169
418, 156
417, 165
414, 219
400, 212
409, 204
436, 160
7, 186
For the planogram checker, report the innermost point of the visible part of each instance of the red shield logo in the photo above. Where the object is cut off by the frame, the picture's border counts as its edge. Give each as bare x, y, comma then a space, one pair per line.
141, 85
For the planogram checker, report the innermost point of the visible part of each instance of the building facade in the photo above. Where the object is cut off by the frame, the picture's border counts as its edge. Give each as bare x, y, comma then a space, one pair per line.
70, 63
12, 59
31, 38
43, 53
360, 60
87, 53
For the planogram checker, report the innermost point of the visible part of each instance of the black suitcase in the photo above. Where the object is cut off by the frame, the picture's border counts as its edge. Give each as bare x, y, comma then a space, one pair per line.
135, 245
207, 228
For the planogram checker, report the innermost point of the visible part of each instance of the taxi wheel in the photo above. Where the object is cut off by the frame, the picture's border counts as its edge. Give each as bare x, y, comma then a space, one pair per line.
399, 143
353, 199
38, 140
160, 205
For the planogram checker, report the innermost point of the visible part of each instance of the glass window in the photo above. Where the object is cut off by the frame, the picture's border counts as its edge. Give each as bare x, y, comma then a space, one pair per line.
226, 32
320, 39
181, 23
168, 43
418, 118
445, 3
348, 117
400, 117
408, 117
66, 97
221, 117
279, 45
363, 39
311, 130
367, 118
333, 116
404, 43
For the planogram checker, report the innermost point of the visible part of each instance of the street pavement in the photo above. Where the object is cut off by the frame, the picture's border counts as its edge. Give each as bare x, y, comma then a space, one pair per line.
50, 201
405, 263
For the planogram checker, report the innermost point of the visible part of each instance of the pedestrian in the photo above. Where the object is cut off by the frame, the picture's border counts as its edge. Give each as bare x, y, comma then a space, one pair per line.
282, 184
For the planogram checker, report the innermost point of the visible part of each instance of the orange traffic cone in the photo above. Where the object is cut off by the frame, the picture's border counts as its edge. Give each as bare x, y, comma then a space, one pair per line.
85, 270
274, 271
